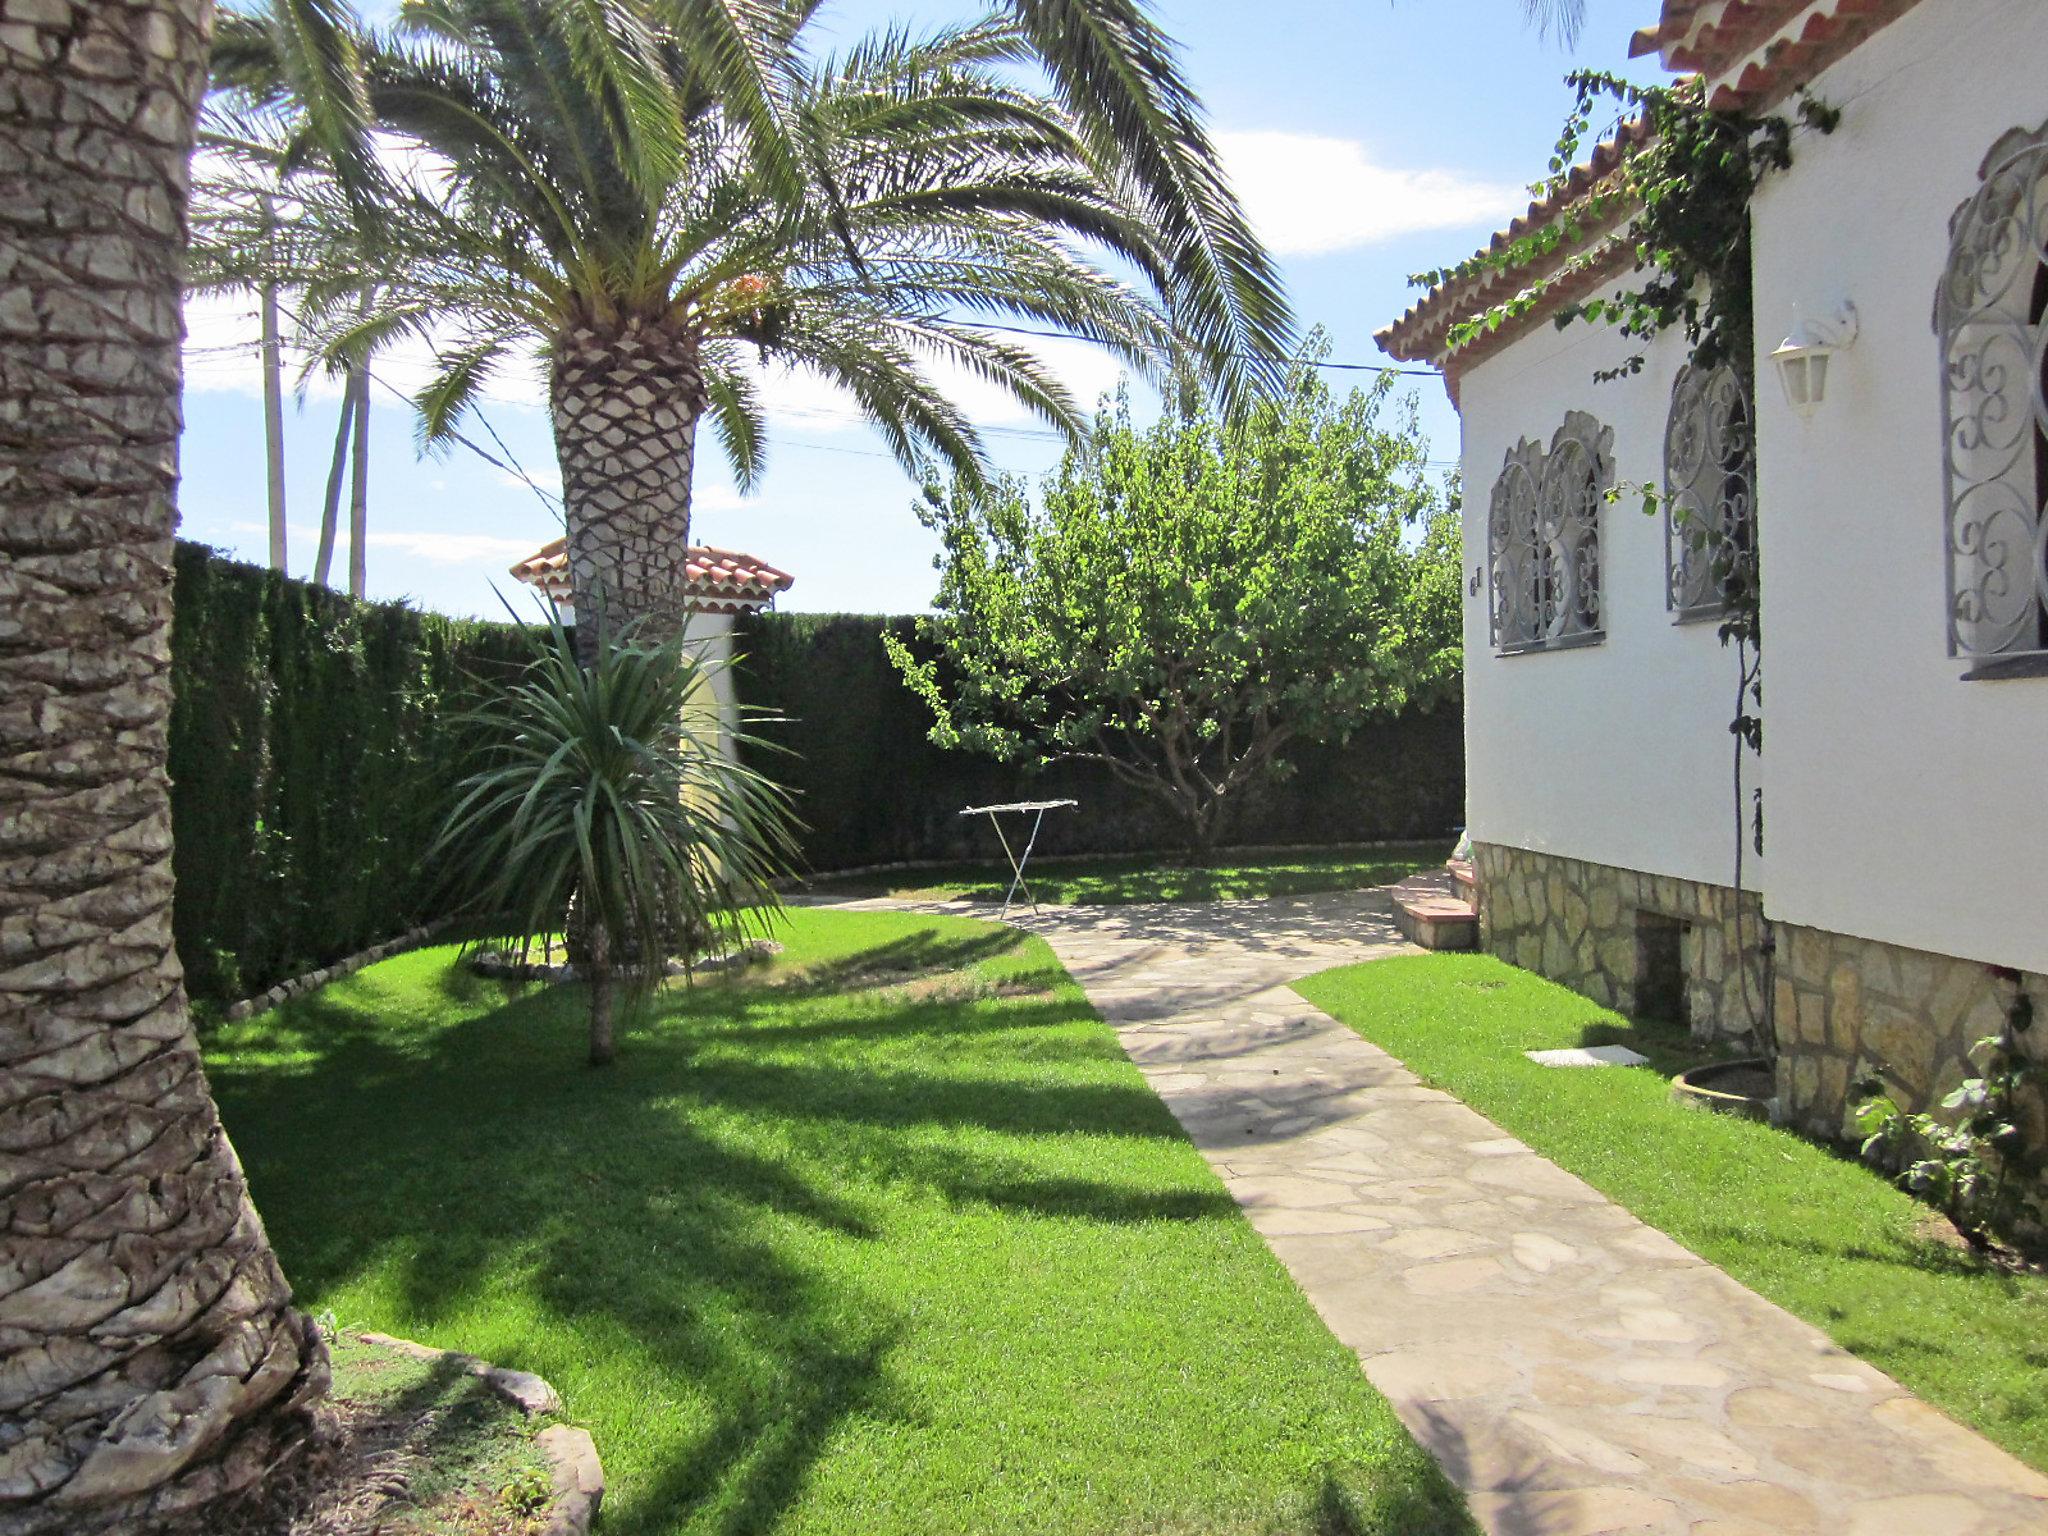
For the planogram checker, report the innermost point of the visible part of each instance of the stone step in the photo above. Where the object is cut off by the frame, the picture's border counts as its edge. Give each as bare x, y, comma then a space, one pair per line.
1429, 913
1464, 880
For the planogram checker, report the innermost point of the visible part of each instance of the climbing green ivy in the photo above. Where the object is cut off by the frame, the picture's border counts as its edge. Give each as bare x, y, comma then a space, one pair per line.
1680, 192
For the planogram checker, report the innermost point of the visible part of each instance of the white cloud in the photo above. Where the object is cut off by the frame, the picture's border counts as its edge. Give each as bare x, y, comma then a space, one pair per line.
453, 548
420, 544
547, 476
800, 400
223, 336
1308, 195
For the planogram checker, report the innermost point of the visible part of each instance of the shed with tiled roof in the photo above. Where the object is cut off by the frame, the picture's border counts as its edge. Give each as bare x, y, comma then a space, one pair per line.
720, 580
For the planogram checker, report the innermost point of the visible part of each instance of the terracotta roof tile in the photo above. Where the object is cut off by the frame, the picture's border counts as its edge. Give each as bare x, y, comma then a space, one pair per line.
1708, 35
720, 580
1420, 334
1786, 63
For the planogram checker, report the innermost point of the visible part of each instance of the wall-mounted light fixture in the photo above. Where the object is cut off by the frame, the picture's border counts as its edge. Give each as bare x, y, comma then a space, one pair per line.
1802, 357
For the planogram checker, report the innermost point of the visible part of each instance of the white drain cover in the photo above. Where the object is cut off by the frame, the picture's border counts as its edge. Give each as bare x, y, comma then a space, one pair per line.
1588, 1056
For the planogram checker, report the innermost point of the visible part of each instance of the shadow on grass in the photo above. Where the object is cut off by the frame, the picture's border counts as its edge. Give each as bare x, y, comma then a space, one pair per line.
677, 1213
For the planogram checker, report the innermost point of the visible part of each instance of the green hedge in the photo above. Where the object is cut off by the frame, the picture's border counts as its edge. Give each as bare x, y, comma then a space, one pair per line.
874, 790
312, 745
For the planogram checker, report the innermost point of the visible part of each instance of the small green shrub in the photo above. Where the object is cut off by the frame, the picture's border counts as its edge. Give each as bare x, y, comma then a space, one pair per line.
1973, 1161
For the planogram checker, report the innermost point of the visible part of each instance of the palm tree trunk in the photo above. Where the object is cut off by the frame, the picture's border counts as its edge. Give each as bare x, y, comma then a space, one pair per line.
359, 491
150, 1360
337, 467
626, 400
273, 424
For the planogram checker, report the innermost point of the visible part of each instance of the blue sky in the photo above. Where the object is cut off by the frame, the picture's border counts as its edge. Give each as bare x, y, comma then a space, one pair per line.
1368, 138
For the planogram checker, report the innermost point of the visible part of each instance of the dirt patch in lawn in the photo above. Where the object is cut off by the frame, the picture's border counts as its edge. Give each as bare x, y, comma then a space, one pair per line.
403, 1447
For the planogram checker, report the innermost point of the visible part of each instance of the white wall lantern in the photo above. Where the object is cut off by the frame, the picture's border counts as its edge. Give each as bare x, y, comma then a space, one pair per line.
1802, 357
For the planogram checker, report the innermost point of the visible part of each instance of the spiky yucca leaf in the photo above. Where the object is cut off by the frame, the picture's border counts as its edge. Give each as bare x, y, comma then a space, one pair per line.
600, 787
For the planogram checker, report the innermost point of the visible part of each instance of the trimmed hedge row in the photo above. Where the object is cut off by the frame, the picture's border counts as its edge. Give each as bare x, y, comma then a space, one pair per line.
874, 790
314, 743
312, 747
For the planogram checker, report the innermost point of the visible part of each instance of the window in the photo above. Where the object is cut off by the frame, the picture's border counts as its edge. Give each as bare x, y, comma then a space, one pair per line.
1710, 493
1543, 538
1989, 316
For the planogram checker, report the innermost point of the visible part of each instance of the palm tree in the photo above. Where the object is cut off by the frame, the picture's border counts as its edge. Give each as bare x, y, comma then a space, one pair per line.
656, 196
153, 1360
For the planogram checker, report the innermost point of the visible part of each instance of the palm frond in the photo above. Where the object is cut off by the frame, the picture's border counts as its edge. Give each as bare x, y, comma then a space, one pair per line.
1117, 73
736, 413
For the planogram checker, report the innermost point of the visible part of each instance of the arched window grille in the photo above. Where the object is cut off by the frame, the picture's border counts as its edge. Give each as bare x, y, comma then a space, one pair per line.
1989, 316
1710, 493
1543, 538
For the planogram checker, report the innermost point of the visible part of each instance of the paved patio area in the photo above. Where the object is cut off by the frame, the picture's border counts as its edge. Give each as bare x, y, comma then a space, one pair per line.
1574, 1371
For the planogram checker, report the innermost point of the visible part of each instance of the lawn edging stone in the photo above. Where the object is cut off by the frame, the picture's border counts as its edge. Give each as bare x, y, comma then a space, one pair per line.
312, 980
574, 1470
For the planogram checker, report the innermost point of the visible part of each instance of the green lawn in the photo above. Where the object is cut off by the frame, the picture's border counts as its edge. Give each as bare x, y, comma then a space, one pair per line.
1821, 1236
886, 1237
1155, 877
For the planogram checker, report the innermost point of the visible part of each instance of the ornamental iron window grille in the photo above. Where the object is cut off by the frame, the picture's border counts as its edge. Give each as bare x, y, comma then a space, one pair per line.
1989, 316
1709, 493
1543, 538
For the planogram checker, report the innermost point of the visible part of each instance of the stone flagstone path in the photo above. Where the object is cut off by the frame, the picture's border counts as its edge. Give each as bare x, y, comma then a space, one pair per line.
1573, 1370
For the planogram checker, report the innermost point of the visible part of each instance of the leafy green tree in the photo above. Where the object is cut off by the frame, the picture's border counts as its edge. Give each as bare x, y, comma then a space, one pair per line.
1192, 597
658, 193
592, 808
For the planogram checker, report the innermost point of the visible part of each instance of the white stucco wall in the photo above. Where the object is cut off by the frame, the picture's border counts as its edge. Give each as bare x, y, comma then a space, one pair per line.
1902, 804
1617, 752
710, 636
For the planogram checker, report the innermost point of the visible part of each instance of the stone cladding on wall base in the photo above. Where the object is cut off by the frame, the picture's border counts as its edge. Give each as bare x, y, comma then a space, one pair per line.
1648, 944
1852, 1009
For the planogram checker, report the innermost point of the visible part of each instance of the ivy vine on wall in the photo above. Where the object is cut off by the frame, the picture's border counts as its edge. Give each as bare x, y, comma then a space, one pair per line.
1678, 200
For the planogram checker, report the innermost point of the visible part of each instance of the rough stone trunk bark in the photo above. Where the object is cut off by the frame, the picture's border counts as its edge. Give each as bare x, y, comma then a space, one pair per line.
150, 1360
626, 400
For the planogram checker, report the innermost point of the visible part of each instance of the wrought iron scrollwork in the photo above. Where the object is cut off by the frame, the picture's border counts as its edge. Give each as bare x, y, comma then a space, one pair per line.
1710, 492
1989, 315
1543, 537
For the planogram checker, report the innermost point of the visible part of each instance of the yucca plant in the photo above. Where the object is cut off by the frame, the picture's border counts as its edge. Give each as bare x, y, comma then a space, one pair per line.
605, 807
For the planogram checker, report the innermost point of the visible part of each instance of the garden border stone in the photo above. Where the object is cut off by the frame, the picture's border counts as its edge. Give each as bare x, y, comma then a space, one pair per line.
899, 866
575, 1472
313, 980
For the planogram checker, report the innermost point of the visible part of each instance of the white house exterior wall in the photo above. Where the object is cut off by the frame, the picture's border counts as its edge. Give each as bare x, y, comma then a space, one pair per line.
1903, 804
1616, 753
709, 636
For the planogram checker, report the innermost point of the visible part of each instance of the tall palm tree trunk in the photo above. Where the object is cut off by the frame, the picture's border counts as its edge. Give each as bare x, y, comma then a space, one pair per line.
337, 467
359, 487
273, 404
626, 400
150, 1360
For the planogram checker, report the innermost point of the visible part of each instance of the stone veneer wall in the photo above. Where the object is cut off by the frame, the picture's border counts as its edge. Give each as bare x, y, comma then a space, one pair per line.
1850, 1008
1596, 928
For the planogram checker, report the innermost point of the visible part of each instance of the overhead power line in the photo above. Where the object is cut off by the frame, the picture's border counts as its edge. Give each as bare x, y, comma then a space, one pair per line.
1025, 330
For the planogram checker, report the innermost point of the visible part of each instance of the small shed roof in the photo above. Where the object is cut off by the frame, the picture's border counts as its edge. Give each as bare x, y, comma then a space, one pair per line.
719, 580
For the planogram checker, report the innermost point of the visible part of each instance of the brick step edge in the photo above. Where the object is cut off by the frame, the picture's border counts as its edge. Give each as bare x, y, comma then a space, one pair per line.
574, 1471
1431, 911
262, 1002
